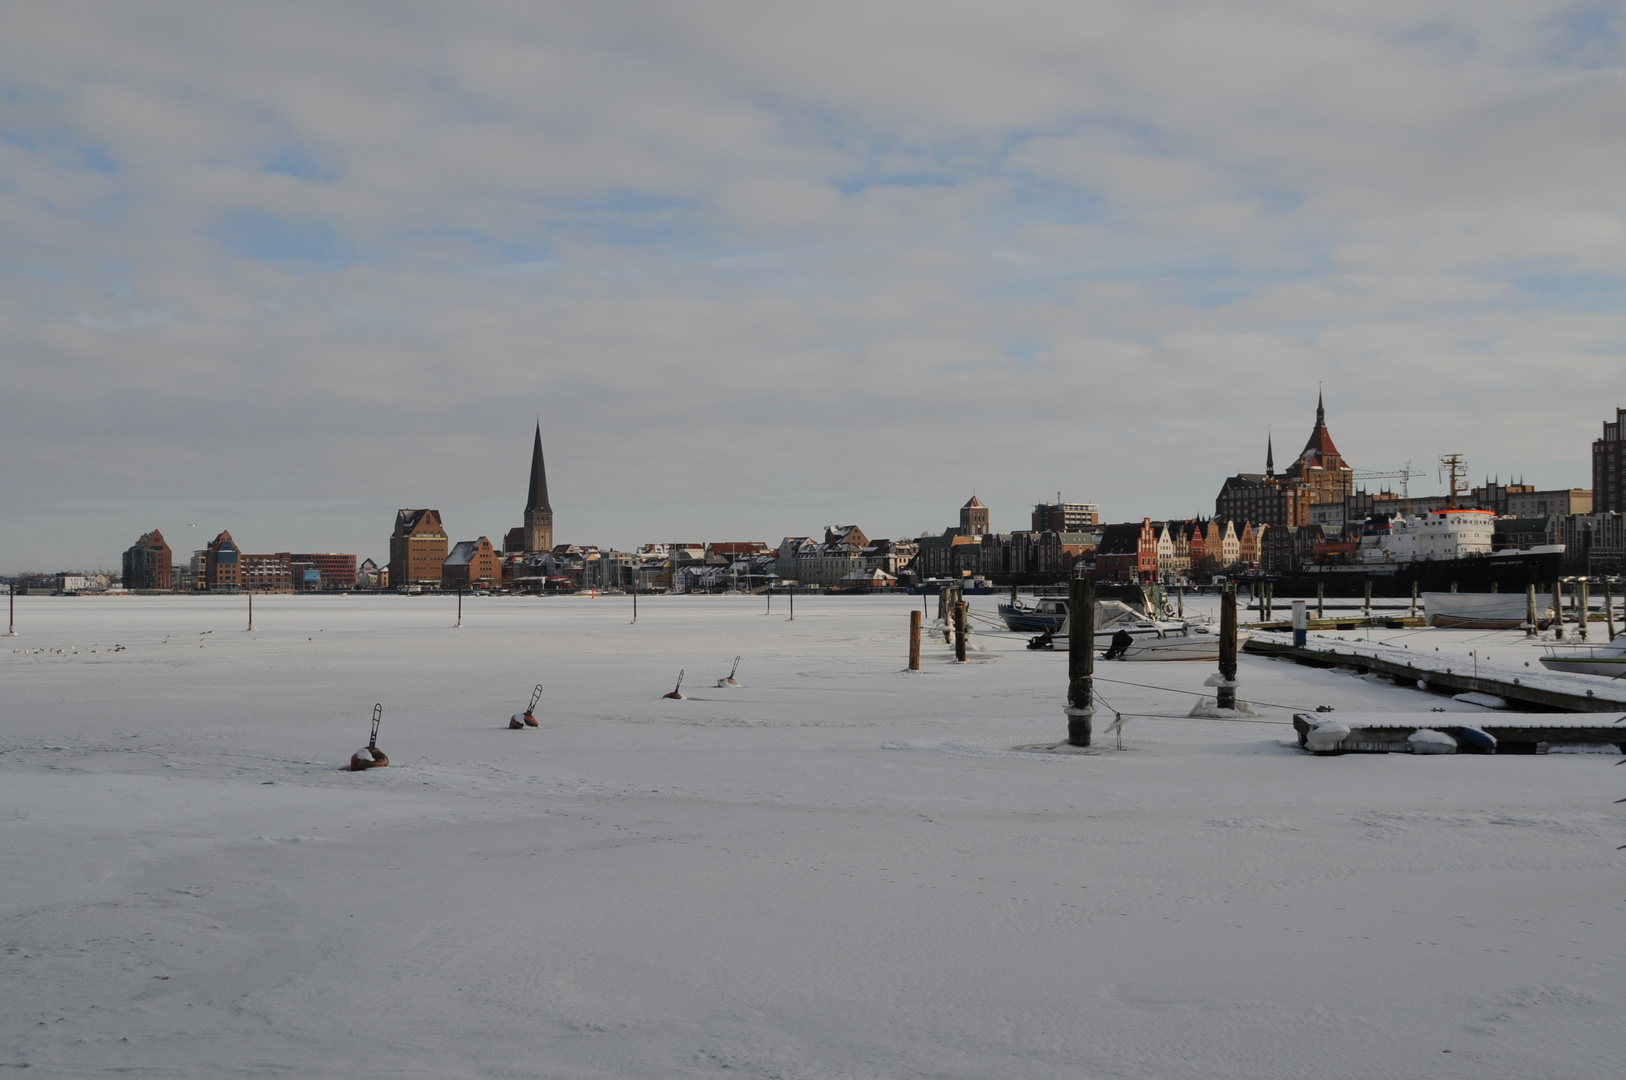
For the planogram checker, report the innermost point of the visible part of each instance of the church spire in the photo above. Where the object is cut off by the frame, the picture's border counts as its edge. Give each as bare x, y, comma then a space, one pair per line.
538, 497
1320, 410
1270, 456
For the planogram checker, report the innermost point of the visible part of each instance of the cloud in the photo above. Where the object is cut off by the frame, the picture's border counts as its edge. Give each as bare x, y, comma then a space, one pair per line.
290, 268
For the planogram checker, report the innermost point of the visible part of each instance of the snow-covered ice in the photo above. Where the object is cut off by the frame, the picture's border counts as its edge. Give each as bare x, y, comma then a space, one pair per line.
835, 869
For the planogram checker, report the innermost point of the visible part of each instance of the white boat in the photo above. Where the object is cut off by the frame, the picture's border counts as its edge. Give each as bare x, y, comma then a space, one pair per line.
1151, 639
1484, 611
1608, 660
1184, 641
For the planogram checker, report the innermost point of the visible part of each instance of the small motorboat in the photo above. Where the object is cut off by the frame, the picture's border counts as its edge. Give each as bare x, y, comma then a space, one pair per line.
1182, 641
1608, 660
1047, 613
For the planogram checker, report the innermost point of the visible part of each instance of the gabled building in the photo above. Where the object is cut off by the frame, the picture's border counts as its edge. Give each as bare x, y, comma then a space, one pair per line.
471, 564
417, 548
222, 564
1127, 552
147, 563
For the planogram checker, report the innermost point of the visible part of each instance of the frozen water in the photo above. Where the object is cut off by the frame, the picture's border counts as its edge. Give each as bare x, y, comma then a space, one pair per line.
836, 869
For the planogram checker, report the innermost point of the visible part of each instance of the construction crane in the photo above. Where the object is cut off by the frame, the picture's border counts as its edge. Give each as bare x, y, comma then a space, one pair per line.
1404, 475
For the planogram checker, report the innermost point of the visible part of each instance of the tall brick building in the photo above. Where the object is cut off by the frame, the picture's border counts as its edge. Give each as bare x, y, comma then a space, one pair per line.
147, 563
222, 563
417, 548
1609, 467
974, 518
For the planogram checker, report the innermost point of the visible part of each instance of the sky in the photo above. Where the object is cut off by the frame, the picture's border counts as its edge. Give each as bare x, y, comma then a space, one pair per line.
758, 269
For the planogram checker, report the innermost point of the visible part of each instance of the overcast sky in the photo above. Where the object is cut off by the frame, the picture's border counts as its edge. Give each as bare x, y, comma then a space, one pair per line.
286, 268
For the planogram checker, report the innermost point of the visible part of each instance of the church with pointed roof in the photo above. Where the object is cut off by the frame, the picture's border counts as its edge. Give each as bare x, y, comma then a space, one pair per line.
538, 528
1319, 475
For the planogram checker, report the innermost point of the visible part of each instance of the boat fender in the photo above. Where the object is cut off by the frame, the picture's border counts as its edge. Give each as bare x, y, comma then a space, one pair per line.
1326, 736
1478, 739
1429, 741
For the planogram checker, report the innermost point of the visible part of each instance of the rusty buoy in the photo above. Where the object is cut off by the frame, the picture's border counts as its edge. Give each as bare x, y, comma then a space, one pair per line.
370, 756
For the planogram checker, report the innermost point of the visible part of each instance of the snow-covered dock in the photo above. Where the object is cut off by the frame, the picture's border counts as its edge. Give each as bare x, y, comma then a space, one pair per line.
1531, 687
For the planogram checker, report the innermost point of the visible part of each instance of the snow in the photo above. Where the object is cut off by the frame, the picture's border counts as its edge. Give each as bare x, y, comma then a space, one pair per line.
836, 869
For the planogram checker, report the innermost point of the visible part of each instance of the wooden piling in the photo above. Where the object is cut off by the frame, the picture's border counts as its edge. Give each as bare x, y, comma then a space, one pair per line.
914, 640
1530, 611
1080, 660
12, 590
1558, 609
792, 604
635, 600
1225, 696
1413, 598
1583, 605
1367, 610
460, 607
1609, 606
1321, 599
1180, 602
251, 611
959, 630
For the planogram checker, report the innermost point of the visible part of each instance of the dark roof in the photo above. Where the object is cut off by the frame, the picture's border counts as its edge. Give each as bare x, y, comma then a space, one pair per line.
537, 499
1120, 540
1320, 446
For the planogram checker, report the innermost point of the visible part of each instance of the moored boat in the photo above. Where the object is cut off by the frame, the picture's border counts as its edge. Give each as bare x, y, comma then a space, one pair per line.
1484, 611
1608, 660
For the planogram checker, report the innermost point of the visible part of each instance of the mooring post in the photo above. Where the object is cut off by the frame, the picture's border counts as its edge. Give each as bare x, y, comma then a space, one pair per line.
1529, 611
914, 640
1225, 695
460, 607
1414, 598
959, 630
792, 604
1301, 624
1583, 604
1609, 605
635, 600
1180, 602
1080, 660
1013, 594
769, 592
1320, 599
12, 590
943, 604
251, 611
1558, 609
1367, 609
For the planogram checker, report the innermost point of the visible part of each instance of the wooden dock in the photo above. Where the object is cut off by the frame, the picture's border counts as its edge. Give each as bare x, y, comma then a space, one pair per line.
1515, 733
1535, 692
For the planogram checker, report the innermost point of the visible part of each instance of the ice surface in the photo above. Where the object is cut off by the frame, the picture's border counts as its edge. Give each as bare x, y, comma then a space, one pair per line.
836, 869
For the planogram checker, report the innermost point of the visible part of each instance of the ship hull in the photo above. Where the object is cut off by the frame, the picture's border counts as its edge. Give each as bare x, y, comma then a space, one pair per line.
1485, 573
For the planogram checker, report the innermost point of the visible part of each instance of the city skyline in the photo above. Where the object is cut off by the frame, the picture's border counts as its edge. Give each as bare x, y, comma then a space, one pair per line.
764, 271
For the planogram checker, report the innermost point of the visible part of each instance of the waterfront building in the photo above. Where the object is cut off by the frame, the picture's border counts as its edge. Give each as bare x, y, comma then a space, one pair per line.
266, 573
147, 563
417, 548
973, 517
334, 570
472, 564
222, 563
1065, 517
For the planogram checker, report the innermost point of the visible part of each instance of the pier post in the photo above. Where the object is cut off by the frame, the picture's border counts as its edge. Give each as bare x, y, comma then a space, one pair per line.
12, 590
251, 611
959, 631
1225, 696
1080, 660
460, 607
1270, 600
792, 604
1583, 605
914, 640
1301, 624
1320, 599
1558, 610
1414, 598
1529, 611
1367, 610
1609, 605
634, 599
1180, 601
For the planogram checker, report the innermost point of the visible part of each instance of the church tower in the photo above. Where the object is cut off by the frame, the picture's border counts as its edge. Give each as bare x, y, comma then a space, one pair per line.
538, 513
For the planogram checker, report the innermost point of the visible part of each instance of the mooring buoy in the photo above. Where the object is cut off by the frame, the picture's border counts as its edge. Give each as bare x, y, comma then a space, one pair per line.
677, 691
370, 756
